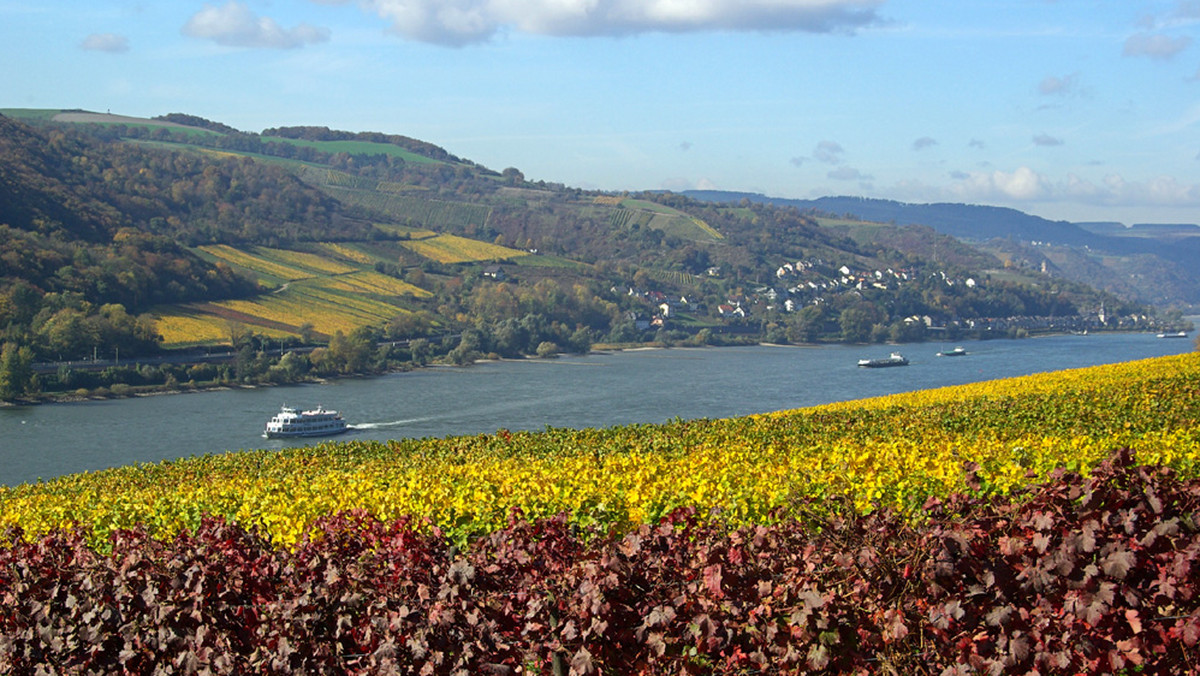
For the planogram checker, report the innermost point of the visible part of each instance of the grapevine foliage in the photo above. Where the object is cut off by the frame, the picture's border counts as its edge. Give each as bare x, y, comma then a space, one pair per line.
1074, 575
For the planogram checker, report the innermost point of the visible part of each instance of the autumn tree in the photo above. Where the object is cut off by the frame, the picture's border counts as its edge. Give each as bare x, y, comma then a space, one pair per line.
16, 371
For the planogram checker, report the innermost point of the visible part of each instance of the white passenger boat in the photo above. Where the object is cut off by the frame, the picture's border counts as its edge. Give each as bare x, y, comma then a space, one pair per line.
956, 352
1176, 334
315, 423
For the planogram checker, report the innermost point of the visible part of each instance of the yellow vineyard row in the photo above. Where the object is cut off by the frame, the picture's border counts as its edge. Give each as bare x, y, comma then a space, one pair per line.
255, 263
372, 283
347, 253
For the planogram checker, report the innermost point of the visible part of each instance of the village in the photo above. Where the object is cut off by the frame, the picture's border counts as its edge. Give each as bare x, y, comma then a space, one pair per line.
817, 283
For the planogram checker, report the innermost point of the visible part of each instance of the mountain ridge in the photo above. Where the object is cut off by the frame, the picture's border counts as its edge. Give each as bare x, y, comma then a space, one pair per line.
868, 208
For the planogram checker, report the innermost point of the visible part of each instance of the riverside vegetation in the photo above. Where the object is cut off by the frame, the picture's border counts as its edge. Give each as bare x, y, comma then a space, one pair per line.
1044, 524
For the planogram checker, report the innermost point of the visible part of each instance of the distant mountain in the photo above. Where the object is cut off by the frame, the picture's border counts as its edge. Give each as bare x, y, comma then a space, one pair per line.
964, 221
1147, 254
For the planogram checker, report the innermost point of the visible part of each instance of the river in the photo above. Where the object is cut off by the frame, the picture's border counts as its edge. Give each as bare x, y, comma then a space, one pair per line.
597, 390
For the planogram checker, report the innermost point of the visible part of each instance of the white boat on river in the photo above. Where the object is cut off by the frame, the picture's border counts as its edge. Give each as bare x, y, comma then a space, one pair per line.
315, 423
895, 359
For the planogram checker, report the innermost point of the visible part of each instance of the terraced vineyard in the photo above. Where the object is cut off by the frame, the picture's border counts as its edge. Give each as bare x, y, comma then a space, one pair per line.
659, 217
944, 531
327, 293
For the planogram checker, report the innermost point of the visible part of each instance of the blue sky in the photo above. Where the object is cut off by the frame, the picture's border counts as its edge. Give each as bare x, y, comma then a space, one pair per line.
1069, 109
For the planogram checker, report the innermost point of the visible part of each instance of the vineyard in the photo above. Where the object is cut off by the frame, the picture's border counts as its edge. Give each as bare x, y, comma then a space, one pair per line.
997, 527
258, 264
327, 292
346, 252
659, 217
455, 249
439, 215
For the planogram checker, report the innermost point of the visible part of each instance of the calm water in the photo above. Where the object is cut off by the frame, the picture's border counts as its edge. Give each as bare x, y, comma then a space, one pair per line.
593, 391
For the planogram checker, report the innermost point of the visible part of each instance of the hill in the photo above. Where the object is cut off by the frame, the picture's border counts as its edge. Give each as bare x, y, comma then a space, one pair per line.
126, 235
1146, 263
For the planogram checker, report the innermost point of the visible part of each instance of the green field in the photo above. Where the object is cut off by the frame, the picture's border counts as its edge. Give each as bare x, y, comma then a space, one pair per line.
30, 113
356, 148
543, 261
434, 214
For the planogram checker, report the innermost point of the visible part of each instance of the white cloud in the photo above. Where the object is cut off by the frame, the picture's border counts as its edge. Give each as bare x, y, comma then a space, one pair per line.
105, 42
1155, 46
1058, 85
1188, 11
462, 22
848, 174
1024, 183
234, 25
1024, 186
924, 142
680, 184
1159, 191
829, 152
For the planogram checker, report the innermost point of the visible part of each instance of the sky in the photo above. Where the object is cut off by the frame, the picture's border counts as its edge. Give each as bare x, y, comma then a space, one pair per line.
1080, 110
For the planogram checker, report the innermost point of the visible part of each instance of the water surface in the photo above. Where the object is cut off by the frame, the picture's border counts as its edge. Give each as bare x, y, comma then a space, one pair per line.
596, 390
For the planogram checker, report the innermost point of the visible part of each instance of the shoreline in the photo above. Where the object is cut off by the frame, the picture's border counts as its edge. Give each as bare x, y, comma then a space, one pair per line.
601, 349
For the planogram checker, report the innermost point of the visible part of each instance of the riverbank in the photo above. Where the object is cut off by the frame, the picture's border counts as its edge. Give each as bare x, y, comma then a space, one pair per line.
126, 391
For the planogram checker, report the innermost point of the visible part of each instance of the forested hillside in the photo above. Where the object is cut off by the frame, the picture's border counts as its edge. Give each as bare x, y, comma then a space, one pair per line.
122, 236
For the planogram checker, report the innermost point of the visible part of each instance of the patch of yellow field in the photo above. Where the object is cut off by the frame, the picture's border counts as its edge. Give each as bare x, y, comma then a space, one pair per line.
373, 283
185, 328
455, 249
307, 260
343, 251
255, 263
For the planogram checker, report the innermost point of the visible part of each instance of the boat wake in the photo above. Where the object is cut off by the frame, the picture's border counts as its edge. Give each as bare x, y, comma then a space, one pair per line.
387, 425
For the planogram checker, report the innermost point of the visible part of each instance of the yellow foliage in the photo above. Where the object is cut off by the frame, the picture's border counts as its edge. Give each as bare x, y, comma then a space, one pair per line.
346, 252
186, 327
455, 249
